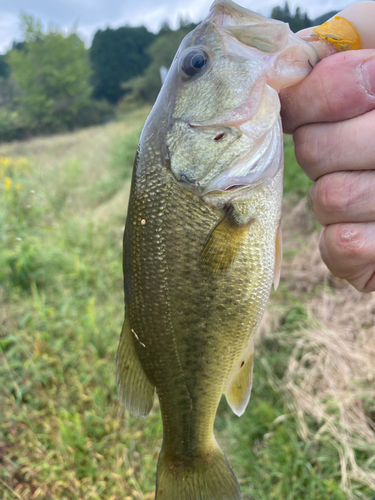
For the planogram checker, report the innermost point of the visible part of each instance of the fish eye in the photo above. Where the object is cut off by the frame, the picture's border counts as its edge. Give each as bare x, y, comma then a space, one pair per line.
194, 61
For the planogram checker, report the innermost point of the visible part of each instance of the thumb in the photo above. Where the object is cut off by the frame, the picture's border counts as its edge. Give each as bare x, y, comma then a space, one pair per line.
361, 17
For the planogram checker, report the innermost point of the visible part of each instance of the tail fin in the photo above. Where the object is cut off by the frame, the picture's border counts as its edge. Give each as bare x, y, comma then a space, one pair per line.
204, 479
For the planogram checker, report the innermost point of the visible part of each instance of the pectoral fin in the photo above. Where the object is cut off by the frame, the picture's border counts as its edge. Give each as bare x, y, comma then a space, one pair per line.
135, 390
223, 244
238, 390
278, 257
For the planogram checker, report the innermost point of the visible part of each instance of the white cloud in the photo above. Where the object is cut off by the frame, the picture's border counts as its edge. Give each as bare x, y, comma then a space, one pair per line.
9, 30
91, 15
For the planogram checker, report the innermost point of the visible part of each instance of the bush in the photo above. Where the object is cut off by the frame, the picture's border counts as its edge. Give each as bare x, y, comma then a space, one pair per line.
12, 125
52, 73
95, 113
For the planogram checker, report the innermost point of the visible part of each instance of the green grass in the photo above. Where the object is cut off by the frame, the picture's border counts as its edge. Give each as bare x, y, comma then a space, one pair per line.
295, 180
63, 434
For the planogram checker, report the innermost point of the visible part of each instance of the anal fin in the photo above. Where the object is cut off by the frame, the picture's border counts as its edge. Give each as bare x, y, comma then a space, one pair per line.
238, 390
135, 390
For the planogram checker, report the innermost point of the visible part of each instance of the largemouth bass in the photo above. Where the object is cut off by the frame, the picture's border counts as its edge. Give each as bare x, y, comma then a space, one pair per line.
202, 242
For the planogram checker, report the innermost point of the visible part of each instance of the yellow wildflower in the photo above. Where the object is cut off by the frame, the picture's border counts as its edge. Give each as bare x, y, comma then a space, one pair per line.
4, 161
7, 183
22, 164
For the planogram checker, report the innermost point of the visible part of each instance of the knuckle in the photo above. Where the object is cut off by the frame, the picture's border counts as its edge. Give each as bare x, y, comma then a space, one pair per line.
314, 146
342, 92
329, 194
349, 241
305, 147
347, 252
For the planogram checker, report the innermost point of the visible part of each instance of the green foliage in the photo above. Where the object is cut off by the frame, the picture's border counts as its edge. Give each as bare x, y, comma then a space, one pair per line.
295, 180
116, 56
53, 74
119, 167
4, 67
12, 125
94, 113
299, 20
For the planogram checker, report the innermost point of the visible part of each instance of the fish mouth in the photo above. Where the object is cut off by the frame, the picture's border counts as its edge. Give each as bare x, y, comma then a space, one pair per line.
243, 31
266, 57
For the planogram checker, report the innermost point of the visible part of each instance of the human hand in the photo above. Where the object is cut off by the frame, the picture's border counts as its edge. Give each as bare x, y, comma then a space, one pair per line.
331, 115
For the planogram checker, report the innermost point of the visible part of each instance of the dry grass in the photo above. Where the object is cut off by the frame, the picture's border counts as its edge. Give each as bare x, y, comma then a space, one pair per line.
331, 372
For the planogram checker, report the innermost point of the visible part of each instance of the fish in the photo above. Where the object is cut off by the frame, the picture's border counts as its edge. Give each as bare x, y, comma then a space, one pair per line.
202, 242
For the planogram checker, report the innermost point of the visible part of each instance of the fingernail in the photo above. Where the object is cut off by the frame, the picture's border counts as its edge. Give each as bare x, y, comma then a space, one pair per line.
368, 75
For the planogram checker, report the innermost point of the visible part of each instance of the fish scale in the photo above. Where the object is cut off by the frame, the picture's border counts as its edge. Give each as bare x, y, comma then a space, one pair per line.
173, 295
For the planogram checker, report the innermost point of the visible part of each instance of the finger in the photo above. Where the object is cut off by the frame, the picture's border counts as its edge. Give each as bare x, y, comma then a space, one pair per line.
361, 17
340, 87
327, 147
344, 197
348, 250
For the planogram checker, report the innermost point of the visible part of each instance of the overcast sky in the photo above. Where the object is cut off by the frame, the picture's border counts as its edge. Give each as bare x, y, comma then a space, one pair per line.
90, 15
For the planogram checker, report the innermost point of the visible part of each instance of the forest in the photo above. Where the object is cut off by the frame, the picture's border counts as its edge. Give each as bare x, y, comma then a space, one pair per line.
50, 82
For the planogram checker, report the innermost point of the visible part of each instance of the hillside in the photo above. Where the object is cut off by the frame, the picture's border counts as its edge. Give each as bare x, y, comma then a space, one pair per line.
310, 426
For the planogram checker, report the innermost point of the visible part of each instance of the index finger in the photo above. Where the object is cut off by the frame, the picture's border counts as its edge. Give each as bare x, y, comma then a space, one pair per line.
340, 87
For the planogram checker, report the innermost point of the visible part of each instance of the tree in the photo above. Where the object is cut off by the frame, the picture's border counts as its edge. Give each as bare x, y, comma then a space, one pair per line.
4, 67
52, 71
324, 17
116, 56
278, 13
296, 22
287, 10
145, 88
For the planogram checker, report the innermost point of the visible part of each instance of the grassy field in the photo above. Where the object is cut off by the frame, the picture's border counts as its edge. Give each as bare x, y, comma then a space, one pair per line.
308, 432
